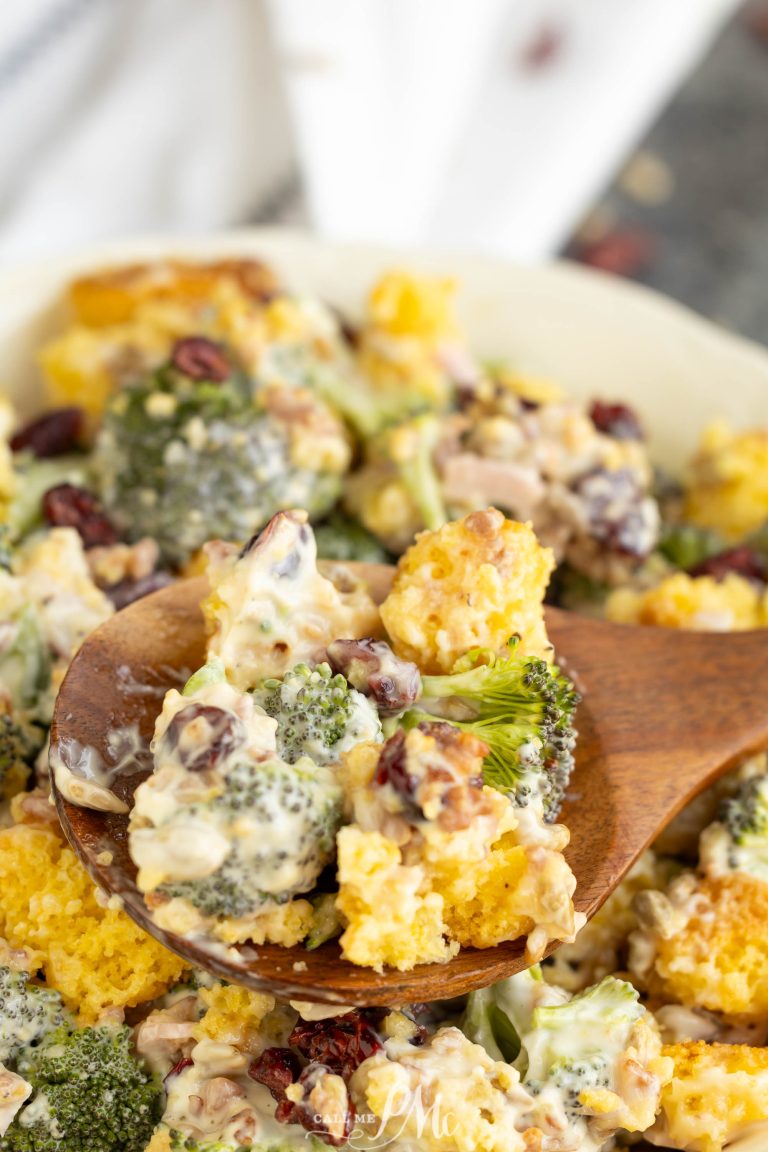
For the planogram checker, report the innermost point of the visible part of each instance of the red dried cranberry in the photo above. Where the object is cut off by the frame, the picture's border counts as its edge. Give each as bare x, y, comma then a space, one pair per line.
53, 434
129, 590
372, 668
624, 252
177, 1068
276, 1069
341, 1043
743, 561
392, 769
225, 733
67, 506
201, 359
617, 420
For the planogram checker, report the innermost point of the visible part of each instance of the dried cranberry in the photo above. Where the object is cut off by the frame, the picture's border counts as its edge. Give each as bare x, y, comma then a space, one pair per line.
340, 1043
392, 767
624, 252
372, 668
201, 359
177, 1068
67, 506
53, 434
743, 561
276, 1069
619, 515
223, 732
617, 420
129, 590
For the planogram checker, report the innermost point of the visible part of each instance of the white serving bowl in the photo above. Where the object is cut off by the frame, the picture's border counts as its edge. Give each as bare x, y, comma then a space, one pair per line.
595, 334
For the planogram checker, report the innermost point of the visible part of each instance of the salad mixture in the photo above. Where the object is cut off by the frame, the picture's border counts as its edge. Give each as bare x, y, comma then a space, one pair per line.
388, 776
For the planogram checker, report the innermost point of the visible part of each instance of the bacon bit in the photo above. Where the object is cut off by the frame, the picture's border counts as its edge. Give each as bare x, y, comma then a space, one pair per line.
201, 359
623, 252
53, 434
67, 506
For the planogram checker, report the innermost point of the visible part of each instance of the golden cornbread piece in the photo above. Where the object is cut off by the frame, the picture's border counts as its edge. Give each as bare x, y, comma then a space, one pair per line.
711, 946
716, 1091
699, 603
233, 1015
113, 296
90, 949
728, 487
472, 584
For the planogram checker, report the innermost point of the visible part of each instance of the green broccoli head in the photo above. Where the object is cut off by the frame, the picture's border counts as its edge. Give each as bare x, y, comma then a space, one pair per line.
522, 709
34, 477
341, 537
574, 1045
287, 817
25, 661
28, 1013
91, 1094
318, 714
555, 1041
184, 460
745, 819
20, 741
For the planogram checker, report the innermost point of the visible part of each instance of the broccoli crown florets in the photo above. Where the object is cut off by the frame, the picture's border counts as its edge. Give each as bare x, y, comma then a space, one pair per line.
342, 538
19, 744
318, 714
287, 819
575, 1044
25, 661
745, 818
184, 460
523, 710
91, 1095
28, 1012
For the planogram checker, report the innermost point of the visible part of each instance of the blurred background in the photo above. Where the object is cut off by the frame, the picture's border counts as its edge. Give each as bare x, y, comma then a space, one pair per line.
629, 134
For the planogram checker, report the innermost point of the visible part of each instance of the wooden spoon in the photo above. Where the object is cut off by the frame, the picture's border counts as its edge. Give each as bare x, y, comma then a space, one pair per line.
663, 714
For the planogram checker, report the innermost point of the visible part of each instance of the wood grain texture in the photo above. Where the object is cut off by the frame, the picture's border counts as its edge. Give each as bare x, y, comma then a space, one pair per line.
663, 714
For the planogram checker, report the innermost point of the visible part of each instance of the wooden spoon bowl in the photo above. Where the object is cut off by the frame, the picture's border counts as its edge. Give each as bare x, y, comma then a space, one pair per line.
663, 714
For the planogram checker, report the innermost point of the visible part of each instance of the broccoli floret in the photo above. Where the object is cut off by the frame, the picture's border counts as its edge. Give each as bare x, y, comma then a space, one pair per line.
91, 1095
34, 477
342, 538
411, 448
303, 801
28, 1012
686, 545
575, 1045
318, 714
25, 660
20, 741
182, 1143
185, 460
745, 818
366, 410
522, 709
